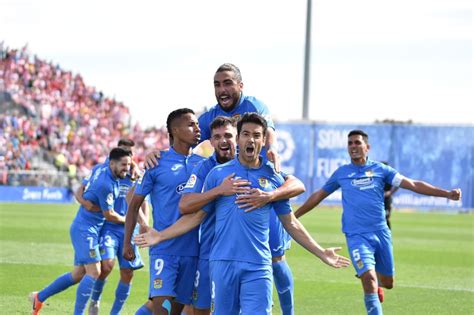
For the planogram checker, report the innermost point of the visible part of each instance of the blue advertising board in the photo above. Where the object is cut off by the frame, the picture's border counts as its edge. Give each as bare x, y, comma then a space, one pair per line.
440, 155
35, 194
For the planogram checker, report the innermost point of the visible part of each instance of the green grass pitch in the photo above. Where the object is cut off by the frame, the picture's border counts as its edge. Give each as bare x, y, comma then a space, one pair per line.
434, 259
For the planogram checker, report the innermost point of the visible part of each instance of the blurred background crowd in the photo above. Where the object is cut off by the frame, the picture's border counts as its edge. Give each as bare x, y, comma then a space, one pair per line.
51, 120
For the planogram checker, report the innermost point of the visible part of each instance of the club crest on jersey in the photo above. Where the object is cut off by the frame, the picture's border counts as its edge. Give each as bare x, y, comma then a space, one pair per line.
191, 181
360, 264
92, 254
180, 188
195, 294
157, 283
110, 199
263, 182
369, 173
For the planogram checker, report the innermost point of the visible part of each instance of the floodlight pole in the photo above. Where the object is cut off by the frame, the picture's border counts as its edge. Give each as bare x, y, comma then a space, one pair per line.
307, 62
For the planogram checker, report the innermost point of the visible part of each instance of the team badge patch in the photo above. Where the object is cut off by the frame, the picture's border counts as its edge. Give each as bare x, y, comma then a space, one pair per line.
92, 253
263, 182
212, 307
360, 264
369, 173
191, 181
195, 295
110, 199
157, 283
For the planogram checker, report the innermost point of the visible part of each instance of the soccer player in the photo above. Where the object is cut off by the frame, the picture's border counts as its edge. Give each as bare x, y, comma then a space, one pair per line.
223, 140
111, 239
103, 190
231, 102
172, 263
240, 259
368, 237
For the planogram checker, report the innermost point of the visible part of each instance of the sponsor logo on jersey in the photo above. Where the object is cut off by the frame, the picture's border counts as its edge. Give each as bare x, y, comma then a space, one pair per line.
110, 199
191, 181
180, 188
263, 182
157, 283
362, 182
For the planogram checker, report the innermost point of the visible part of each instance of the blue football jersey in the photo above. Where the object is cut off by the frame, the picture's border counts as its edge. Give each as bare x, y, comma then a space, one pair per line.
239, 235
195, 185
102, 189
247, 104
362, 194
165, 184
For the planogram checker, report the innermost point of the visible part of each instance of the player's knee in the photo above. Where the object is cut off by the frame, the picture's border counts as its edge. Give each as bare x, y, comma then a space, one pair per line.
387, 282
106, 268
126, 275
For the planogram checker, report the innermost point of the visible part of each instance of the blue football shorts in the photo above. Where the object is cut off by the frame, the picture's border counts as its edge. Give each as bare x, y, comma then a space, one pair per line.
111, 246
173, 276
373, 250
240, 288
85, 241
202, 286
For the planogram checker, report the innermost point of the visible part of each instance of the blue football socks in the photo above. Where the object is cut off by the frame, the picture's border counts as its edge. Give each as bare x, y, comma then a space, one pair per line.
60, 284
121, 294
97, 290
283, 279
83, 293
144, 311
372, 304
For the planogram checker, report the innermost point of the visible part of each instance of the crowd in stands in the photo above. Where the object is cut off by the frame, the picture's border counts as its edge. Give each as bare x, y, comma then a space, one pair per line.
54, 114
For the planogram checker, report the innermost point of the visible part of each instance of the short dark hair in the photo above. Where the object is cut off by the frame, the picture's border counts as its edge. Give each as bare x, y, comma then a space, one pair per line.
126, 142
221, 121
231, 67
173, 116
252, 118
117, 153
358, 132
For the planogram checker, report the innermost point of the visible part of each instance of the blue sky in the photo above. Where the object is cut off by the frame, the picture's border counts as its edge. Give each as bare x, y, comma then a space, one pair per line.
371, 59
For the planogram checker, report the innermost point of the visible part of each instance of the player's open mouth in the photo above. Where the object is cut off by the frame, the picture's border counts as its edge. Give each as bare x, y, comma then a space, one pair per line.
225, 99
224, 148
249, 150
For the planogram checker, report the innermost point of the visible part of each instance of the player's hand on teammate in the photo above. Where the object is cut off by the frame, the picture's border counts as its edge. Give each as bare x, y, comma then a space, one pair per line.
128, 253
455, 194
273, 157
152, 159
147, 239
134, 171
331, 258
231, 186
256, 198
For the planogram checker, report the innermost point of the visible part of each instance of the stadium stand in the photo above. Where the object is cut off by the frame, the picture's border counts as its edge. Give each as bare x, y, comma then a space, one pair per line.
51, 120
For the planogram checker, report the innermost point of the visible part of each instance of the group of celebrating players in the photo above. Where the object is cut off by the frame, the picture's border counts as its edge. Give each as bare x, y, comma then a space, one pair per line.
221, 225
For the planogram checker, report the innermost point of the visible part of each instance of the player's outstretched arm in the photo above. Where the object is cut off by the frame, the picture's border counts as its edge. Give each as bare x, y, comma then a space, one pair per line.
112, 216
311, 202
192, 202
130, 222
88, 205
185, 224
425, 188
298, 232
257, 198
